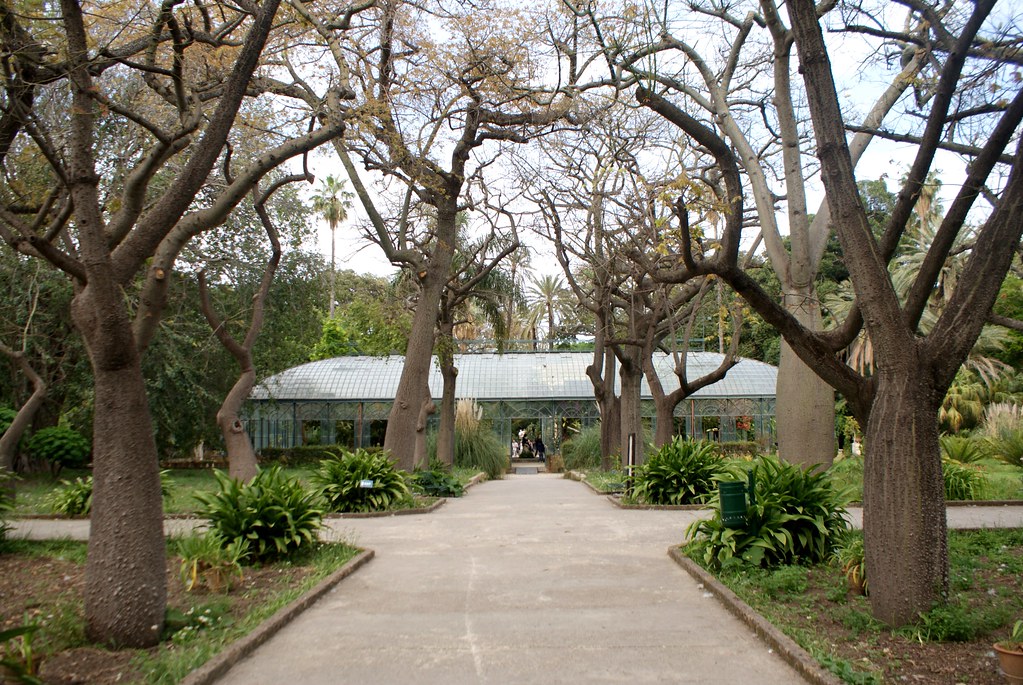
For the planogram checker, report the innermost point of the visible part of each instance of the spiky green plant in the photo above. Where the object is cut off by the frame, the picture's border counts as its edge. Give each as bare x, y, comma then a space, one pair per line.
681, 472
476, 446
962, 481
360, 481
273, 514
74, 499
582, 450
797, 517
962, 449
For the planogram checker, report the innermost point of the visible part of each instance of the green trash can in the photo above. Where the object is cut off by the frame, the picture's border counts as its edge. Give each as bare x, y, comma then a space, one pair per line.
732, 494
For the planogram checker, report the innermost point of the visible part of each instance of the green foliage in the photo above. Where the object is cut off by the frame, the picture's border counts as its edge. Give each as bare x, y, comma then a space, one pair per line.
847, 475
785, 580
951, 622
963, 449
1015, 641
19, 641
797, 517
294, 456
7, 416
850, 556
211, 560
681, 472
273, 514
737, 448
437, 482
59, 446
74, 499
962, 481
477, 447
582, 451
340, 481
372, 319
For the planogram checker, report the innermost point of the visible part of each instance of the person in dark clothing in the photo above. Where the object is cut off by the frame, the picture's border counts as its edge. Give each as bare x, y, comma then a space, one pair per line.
540, 449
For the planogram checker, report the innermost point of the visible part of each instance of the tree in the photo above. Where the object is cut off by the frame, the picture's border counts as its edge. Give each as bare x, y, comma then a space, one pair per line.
742, 86
904, 509
142, 122
547, 297
432, 117
332, 203
373, 318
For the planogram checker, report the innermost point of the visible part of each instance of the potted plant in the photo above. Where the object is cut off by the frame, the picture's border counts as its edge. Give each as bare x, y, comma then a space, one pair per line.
1010, 655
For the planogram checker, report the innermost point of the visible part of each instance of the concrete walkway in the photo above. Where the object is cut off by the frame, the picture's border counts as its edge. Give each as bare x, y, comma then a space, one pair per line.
532, 579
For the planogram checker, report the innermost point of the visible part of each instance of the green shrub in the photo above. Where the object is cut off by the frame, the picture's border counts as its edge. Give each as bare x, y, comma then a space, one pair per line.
210, 560
74, 499
60, 447
340, 482
296, 456
945, 623
273, 514
681, 472
851, 558
476, 446
437, 482
962, 481
582, 451
962, 449
797, 518
738, 448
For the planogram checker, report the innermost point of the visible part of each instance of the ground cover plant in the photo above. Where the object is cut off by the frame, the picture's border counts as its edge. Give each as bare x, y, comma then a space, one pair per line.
273, 514
815, 606
681, 472
792, 515
49, 580
360, 481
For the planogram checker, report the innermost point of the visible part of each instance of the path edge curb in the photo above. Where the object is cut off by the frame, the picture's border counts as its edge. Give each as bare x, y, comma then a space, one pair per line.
222, 662
786, 647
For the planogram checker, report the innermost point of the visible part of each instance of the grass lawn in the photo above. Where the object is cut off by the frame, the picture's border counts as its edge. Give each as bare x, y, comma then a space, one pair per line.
34, 489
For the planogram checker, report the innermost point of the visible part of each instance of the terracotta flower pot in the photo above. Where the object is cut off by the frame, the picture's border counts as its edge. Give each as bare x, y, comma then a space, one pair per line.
1011, 661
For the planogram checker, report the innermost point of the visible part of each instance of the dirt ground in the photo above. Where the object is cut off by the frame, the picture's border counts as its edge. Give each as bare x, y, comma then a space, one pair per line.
48, 590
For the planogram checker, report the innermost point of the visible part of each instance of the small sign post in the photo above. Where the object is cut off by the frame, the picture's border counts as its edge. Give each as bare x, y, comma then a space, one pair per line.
630, 464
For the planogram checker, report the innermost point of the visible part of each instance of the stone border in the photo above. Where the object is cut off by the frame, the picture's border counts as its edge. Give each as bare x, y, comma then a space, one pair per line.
222, 662
786, 647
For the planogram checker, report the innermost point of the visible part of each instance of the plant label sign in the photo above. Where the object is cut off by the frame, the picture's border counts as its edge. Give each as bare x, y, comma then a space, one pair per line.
366, 483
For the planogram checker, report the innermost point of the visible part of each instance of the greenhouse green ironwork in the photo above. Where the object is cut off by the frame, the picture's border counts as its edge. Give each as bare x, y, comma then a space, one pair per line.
347, 400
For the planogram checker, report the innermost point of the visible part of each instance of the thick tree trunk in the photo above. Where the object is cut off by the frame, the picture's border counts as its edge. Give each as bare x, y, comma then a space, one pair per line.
421, 456
904, 499
413, 386
610, 432
631, 372
805, 412
664, 431
446, 430
125, 572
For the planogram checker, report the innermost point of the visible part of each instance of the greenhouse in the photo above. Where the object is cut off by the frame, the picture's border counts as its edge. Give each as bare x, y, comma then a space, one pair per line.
346, 400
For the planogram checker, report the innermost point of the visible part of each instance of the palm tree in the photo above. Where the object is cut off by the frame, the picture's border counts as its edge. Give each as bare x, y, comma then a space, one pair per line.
332, 203
548, 295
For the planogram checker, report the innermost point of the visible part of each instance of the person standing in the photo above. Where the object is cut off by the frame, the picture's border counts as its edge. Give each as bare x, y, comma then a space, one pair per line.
540, 449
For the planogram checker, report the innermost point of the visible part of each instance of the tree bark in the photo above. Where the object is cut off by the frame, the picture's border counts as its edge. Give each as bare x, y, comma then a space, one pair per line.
449, 373
631, 373
904, 524
11, 437
125, 571
805, 406
413, 387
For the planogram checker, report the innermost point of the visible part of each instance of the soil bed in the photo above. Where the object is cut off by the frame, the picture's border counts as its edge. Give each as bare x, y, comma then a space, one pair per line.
46, 589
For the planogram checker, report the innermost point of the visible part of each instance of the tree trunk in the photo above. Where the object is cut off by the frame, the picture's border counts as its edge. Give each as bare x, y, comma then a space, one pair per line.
9, 440
241, 458
610, 431
631, 372
805, 412
125, 572
448, 371
903, 498
665, 429
413, 386
421, 457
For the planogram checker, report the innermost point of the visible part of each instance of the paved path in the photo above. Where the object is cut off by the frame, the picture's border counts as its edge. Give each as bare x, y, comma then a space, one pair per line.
532, 579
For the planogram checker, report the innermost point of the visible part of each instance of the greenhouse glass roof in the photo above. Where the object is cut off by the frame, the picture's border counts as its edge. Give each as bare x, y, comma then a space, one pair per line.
541, 375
